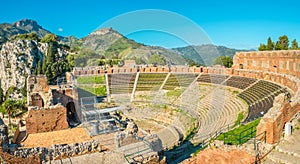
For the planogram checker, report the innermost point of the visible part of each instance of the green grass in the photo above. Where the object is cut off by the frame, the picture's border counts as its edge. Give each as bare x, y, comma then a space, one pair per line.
239, 119
233, 136
90, 79
99, 91
235, 92
298, 119
175, 92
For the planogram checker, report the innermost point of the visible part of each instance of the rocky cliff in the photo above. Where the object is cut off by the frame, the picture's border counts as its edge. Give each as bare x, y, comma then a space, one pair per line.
18, 59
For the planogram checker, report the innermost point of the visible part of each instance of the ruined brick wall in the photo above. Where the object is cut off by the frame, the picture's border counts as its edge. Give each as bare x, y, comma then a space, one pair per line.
46, 120
284, 62
64, 95
37, 91
273, 122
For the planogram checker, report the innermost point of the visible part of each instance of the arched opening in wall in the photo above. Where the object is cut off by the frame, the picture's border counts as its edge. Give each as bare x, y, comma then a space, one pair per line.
71, 114
201, 69
241, 66
37, 100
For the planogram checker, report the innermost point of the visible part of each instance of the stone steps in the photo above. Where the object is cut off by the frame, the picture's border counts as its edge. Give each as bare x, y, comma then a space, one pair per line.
279, 157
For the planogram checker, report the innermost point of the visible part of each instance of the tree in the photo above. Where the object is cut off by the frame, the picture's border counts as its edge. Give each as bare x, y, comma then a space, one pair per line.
39, 68
1, 95
294, 45
24, 88
282, 43
10, 106
9, 91
224, 61
270, 45
50, 38
262, 47
44, 66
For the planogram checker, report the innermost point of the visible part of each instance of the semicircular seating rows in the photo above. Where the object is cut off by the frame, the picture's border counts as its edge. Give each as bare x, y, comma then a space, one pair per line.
213, 113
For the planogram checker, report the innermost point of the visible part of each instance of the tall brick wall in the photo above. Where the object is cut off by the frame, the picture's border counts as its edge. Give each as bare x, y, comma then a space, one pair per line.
46, 120
284, 62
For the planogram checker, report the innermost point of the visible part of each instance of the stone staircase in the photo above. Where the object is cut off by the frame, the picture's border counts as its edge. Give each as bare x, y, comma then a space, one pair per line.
287, 151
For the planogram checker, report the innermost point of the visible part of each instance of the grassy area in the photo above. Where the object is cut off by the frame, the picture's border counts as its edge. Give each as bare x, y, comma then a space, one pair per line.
239, 119
298, 119
240, 134
90, 79
99, 91
175, 92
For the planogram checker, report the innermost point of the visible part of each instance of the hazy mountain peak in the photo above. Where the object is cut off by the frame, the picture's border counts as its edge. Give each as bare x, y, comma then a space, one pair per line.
26, 22
105, 31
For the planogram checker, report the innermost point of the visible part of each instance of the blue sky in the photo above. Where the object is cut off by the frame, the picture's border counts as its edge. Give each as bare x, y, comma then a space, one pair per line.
232, 23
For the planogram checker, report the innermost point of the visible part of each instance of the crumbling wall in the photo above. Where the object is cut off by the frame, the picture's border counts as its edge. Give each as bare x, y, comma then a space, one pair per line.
13, 159
64, 96
46, 119
273, 122
38, 91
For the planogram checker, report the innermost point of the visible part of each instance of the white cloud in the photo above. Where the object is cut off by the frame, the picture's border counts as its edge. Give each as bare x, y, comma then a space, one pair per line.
60, 29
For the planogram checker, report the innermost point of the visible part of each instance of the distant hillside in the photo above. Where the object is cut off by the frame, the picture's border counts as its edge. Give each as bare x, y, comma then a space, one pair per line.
205, 54
109, 44
20, 27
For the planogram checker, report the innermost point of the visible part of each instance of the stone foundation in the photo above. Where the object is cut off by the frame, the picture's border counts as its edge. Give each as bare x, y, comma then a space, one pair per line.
46, 119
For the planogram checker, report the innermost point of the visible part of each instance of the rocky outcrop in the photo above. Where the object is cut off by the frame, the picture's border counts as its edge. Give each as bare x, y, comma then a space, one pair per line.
18, 59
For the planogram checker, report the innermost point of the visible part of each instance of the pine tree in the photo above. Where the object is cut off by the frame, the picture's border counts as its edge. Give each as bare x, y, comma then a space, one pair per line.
270, 45
44, 66
294, 45
1, 95
39, 68
282, 43
262, 47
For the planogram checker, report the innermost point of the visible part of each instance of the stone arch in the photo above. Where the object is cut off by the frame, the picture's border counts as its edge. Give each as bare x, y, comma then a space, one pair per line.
71, 113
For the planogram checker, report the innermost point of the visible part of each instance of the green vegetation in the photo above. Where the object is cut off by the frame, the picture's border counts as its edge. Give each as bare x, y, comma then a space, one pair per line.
240, 134
50, 38
30, 36
235, 92
117, 47
157, 59
294, 45
224, 61
10, 107
298, 119
281, 44
53, 66
90, 79
239, 119
1, 95
174, 92
97, 90
205, 54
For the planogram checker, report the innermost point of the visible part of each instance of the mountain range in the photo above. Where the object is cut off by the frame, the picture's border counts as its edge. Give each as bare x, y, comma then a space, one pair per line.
107, 43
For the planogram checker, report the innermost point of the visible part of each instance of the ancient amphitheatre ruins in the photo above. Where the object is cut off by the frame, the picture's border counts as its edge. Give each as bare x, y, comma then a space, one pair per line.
162, 114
